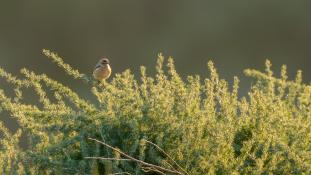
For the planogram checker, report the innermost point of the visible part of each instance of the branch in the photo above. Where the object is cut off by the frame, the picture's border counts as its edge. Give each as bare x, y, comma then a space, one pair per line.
161, 150
104, 158
150, 169
152, 166
121, 173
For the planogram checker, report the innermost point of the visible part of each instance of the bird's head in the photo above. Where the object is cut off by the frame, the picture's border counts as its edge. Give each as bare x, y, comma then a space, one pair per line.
104, 61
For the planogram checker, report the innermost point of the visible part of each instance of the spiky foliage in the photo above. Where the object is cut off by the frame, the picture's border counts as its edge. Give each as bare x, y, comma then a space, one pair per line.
201, 123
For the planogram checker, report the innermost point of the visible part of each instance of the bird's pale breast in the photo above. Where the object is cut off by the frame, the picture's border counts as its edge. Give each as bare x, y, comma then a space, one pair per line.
102, 72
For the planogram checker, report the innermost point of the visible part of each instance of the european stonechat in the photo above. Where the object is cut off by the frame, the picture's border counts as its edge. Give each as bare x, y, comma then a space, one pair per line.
102, 70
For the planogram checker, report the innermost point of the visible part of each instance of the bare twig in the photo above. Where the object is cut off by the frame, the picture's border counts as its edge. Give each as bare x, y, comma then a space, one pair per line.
150, 169
158, 168
121, 173
161, 150
104, 158
167, 163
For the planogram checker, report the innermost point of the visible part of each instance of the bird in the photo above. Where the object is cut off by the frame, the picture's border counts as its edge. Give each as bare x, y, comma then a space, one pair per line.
102, 70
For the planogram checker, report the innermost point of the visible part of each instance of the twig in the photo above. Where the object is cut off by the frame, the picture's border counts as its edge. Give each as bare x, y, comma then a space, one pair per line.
121, 173
150, 169
104, 158
160, 149
167, 163
159, 168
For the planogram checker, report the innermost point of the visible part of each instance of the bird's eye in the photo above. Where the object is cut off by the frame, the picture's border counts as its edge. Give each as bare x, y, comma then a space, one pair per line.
104, 61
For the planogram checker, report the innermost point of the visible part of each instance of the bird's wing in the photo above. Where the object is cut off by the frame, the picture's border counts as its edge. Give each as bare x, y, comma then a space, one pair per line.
97, 66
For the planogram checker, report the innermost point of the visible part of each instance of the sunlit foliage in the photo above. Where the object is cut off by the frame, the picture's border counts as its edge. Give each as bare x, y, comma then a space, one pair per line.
202, 123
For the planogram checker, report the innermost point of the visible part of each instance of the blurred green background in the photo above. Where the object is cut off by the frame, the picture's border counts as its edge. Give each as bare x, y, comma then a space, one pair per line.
235, 34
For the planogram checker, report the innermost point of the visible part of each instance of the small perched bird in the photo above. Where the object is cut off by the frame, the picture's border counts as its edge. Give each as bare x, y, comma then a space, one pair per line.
102, 70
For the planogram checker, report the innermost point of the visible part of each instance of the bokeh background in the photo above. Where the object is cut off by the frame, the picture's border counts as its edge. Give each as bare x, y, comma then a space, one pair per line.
234, 34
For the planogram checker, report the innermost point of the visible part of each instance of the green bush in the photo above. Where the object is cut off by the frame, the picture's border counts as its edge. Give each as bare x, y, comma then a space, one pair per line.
202, 124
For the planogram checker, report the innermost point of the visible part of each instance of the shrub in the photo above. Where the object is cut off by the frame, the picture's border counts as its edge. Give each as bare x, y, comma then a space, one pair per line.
201, 124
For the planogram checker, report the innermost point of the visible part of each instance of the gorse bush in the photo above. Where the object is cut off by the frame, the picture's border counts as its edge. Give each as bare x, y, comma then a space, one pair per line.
203, 125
